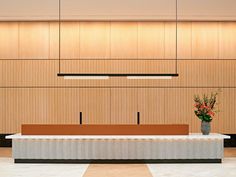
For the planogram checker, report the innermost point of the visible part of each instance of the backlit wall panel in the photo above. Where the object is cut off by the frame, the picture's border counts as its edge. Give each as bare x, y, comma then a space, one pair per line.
31, 92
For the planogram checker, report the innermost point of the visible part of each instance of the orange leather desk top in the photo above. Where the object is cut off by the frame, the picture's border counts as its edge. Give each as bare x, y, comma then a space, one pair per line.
73, 129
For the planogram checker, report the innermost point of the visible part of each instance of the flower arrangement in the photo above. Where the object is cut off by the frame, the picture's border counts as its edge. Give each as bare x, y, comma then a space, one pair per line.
205, 106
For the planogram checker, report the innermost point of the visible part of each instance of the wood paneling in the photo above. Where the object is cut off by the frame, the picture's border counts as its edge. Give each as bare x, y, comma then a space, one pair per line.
30, 106
95, 105
62, 106
227, 40
228, 111
34, 40
52, 106
38, 73
205, 40
192, 73
70, 40
179, 108
184, 45
124, 106
124, 40
198, 44
28, 72
118, 66
151, 105
95, 40
9, 40
54, 40
2, 111
151, 39
206, 73
39, 40
170, 40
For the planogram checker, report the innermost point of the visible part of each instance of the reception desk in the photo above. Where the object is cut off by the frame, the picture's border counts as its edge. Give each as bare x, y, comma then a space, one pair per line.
118, 148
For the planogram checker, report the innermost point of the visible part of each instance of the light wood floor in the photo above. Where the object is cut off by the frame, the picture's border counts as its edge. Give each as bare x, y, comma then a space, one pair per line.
117, 170
5, 152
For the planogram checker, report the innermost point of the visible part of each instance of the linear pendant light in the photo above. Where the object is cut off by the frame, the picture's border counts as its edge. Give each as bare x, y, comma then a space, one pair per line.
87, 77
95, 76
149, 77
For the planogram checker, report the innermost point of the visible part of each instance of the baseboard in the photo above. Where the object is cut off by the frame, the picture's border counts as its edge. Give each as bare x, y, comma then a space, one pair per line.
117, 161
5, 142
230, 142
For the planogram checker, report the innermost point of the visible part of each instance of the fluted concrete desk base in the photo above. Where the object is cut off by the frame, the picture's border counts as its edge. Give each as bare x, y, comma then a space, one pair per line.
118, 149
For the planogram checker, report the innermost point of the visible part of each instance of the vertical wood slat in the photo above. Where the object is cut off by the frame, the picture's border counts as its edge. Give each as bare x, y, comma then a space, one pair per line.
54, 40
210, 40
223, 76
62, 106
151, 105
124, 40
151, 39
205, 40
124, 104
227, 40
179, 108
34, 40
116, 66
170, 40
52, 106
95, 40
2, 110
227, 111
184, 40
95, 105
9, 40
220, 73
70, 40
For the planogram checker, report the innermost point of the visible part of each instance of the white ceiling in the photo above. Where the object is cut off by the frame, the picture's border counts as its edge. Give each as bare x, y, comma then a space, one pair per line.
117, 10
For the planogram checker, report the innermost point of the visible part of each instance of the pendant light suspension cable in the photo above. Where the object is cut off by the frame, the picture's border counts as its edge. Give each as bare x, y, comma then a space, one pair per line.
176, 39
59, 35
128, 75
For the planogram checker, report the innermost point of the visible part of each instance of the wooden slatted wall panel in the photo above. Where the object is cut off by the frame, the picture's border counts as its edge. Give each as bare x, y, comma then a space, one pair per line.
227, 40
206, 53
193, 73
151, 105
228, 111
62, 106
70, 40
170, 40
54, 40
34, 40
2, 111
124, 106
53, 106
95, 105
9, 40
118, 66
124, 42
184, 45
205, 40
95, 40
179, 107
151, 39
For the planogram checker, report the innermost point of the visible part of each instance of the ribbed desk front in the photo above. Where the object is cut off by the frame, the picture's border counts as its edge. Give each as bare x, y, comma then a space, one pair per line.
118, 149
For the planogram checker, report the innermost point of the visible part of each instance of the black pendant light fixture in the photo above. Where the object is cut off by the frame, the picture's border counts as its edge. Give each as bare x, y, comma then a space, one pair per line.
127, 75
